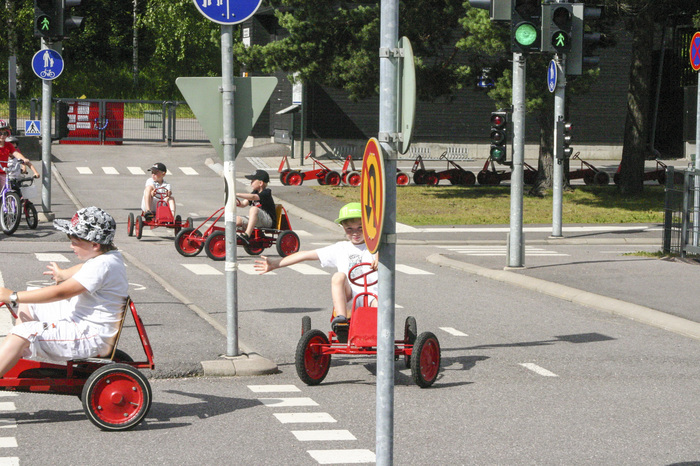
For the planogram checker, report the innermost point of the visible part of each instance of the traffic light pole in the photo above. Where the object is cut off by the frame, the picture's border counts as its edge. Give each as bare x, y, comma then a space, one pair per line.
515, 239
558, 159
46, 89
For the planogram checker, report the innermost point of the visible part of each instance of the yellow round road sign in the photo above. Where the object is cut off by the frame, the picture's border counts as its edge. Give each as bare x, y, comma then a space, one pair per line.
372, 196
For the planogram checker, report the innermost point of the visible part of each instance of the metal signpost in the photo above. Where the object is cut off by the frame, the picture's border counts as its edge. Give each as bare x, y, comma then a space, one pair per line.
695, 63
47, 64
556, 82
227, 13
515, 238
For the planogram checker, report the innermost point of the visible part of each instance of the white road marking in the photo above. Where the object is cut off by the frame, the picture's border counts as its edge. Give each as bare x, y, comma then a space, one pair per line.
302, 233
9, 461
110, 171
322, 435
8, 442
285, 402
453, 331
258, 163
188, 171
202, 269
136, 170
407, 269
290, 418
8, 423
50, 257
7, 406
307, 269
84, 170
499, 251
530, 229
273, 388
342, 456
538, 370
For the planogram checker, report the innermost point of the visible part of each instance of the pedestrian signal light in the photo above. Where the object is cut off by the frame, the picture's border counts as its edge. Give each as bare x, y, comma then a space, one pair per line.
557, 22
45, 20
584, 40
499, 136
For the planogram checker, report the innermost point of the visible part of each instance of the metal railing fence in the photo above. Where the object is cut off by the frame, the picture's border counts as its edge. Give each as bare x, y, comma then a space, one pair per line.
682, 212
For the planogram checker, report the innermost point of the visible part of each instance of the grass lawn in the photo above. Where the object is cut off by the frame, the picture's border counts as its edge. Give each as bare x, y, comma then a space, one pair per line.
476, 205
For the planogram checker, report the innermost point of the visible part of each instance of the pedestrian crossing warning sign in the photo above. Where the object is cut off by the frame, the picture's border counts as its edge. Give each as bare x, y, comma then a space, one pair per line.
32, 128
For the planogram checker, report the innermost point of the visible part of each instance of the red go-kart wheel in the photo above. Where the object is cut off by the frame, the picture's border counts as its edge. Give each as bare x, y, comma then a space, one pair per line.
287, 243
215, 246
311, 364
283, 175
294, 178
188, 242
332, 178
130, 225
116, 397
353, 178
138, 225
425, 360
402, 179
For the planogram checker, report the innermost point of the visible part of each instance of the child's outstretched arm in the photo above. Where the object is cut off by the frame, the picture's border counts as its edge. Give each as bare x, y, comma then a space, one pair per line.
267, 264
58, 274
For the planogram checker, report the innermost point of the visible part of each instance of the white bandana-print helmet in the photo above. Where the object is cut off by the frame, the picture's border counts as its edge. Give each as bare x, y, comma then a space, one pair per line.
91, 224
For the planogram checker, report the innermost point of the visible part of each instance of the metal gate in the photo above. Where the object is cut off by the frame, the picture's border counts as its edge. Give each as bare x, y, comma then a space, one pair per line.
682, 212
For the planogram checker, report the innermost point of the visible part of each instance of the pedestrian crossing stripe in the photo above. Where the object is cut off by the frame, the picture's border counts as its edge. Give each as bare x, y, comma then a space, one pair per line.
291, 418
273, 388
287, 402
84, 170
50, 257
132, 170
202, 269
188, 171
342, 456
136, 170
110, 171
322, 435
497, 250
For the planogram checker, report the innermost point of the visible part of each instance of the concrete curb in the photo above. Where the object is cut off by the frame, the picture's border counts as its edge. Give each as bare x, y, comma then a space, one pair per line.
631, 311
248, 363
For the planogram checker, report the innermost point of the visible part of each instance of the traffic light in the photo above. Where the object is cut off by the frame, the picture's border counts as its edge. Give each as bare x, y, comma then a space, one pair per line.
583, 39
46, 19
499, 136
499, 10
67, 21
557, 22
525, 26
564, 140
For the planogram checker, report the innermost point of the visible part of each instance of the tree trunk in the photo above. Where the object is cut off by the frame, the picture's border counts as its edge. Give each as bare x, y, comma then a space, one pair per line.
135, 43
11, 27
545, 161
636, 138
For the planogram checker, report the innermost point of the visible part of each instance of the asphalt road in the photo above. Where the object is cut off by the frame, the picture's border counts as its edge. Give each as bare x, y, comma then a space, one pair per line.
527, 378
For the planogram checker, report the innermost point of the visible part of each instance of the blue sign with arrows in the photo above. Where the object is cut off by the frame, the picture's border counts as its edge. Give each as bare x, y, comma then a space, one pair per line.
47, 64
552, 76
227, 11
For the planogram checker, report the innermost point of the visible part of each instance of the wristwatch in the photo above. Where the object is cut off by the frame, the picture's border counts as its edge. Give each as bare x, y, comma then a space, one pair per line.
14, 300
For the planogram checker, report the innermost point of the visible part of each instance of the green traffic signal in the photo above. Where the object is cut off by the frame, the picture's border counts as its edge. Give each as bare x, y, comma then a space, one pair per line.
525, 34
44, 23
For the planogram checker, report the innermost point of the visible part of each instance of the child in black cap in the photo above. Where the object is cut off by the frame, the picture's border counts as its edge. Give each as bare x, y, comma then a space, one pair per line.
157, 180
262, 208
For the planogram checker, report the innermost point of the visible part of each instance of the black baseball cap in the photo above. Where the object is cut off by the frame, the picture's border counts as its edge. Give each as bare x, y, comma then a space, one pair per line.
259, 175
158, 166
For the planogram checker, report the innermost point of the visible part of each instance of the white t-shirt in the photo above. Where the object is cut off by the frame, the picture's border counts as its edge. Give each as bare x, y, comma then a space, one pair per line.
156, 185
344, 255
104, 278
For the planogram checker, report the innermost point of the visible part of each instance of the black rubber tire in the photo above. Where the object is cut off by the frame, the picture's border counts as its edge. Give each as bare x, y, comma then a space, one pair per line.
122, 356
294, 178
312, 366
287, 243
178, 224
419, 176
431, 179
30, 215
215, 246
332, 178
601, 179
253, 248
425, 361
305, 324
10, 213
130, 224
410, 332
186, 247
467, 178
402, 179
353, 178
283, 176
109, 383
138, 225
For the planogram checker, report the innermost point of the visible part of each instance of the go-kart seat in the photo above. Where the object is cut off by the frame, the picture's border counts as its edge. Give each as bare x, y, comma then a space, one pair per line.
282, 220
363, 327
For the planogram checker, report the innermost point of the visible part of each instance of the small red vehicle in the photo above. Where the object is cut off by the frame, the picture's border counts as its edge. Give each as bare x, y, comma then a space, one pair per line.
658, 174
319, 172
490, 175
190, 241
589, 173
115, 394
352, 177
163, 217
313, 354
454, 173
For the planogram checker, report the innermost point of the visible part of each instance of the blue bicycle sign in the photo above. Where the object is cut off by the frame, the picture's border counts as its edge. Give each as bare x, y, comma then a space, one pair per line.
227, 11
47, 64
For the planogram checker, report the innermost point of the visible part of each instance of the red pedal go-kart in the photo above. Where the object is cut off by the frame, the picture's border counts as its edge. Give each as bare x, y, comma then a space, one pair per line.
115, 394
313, 354
163, 217
190, 241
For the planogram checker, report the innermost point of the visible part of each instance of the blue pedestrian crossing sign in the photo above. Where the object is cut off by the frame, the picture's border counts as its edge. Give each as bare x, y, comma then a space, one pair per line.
32, 128
47, 64
227, 11
552, 76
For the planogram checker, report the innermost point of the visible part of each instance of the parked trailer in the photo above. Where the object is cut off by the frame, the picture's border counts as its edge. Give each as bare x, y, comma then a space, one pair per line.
658, 174
454, 173
589, 173
352, 177
319, 172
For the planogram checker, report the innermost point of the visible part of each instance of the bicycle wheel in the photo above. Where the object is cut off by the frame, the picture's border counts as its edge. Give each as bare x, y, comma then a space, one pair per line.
11, 213
30, 215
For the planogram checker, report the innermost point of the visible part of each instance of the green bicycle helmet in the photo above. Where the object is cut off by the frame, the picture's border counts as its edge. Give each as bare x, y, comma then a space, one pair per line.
348, 211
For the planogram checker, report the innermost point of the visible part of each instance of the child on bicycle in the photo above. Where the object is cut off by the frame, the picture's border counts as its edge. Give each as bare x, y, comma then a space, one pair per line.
342, 255
156, 181
79, 316
262, 212
8, 151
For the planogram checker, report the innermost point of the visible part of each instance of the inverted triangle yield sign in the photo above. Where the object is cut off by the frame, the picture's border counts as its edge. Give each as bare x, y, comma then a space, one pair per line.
204, 98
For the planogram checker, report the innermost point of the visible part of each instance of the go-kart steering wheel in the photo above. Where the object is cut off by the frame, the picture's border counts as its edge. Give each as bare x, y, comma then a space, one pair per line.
9, 308
160, 193
356, 279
